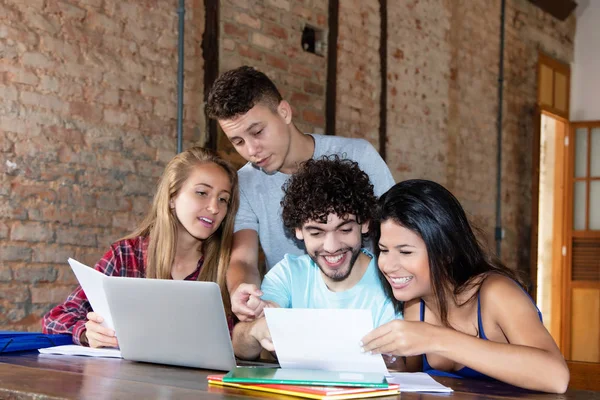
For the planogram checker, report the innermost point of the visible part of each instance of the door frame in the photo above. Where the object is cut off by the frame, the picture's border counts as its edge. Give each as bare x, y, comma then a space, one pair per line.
558, 286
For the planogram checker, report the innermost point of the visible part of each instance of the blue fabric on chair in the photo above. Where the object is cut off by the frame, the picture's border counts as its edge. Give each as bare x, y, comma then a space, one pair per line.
21, 341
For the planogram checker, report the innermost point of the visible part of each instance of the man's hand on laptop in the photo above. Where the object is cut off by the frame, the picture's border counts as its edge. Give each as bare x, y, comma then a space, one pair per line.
97, 335
246, 303
260, 332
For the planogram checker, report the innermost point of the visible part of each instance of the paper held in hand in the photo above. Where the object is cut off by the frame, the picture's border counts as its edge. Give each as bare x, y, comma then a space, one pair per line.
323, 339
92, 283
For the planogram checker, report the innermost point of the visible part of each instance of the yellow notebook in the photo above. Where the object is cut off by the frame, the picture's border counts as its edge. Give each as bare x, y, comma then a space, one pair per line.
310, 392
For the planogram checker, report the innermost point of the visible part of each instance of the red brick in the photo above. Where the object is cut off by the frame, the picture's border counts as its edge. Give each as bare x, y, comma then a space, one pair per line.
50, 213
14, 293
126, 221
101, 23
48, 101
298, 97
15, 253
277, 62
155, 90
135, 101
247, 20
34, 273
5, 273
46, 24
31, 232
40, 192
122, 118
249, 52
67, 10
165, 109
49, 293
263, 41
20, 75
313, 117
313, 88
275, 30
322, 20
86, 111
303, 12
60, 49
235, 31
282, 4
298, 69
76, 236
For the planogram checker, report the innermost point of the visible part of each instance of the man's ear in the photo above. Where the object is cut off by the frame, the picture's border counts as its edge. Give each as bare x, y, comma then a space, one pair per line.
299, 234
285, 111
364, 227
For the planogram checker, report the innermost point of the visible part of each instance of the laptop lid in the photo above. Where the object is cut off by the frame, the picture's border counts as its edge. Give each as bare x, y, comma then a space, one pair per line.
170, 322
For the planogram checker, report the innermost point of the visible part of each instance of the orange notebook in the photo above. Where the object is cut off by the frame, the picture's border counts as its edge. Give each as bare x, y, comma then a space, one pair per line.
310, 392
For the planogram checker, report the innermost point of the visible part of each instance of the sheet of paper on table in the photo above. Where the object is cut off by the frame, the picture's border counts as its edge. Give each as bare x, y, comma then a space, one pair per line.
322, 339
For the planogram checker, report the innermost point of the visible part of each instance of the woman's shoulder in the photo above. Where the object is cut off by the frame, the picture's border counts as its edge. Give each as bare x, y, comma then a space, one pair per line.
494, 284
503, 295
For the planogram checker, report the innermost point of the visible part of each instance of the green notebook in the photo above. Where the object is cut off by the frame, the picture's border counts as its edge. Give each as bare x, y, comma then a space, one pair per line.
305, 377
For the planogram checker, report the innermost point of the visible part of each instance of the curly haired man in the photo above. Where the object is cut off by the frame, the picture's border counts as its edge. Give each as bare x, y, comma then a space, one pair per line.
258, 122
328, 204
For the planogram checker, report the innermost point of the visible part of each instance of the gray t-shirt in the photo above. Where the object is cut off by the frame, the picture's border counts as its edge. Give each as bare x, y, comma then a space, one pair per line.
261, 194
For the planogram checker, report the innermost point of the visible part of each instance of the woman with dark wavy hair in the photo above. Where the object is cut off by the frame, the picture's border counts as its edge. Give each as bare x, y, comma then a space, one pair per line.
465, 314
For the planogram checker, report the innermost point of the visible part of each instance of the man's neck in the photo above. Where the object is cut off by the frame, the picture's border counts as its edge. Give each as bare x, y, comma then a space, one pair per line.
358, 271
302, 148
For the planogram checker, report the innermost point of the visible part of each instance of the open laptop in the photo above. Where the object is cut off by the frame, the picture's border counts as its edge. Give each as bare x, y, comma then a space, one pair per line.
170, 322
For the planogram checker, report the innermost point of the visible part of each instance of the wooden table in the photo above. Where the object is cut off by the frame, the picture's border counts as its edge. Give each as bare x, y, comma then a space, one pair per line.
36, 376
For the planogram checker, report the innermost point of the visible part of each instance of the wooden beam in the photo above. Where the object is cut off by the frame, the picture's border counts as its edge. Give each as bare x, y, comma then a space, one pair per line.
331, 90
210, 52
383, 62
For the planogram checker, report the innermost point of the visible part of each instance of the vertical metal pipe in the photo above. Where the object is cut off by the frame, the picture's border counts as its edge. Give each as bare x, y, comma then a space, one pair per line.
180, 42
499, 232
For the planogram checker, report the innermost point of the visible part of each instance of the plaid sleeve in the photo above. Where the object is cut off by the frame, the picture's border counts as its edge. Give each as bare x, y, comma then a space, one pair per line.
71, 316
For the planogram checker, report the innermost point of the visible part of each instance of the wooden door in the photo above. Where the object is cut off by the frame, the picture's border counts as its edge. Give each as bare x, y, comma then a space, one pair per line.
581, 313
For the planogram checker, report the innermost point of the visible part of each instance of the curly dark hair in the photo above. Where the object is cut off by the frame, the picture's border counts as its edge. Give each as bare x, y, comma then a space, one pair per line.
324, 186
238, 90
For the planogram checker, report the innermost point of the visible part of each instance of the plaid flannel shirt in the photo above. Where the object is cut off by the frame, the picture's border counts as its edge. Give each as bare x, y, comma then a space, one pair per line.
125, 258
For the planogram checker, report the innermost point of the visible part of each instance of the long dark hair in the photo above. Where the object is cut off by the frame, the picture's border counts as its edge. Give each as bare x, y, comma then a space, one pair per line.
457, 260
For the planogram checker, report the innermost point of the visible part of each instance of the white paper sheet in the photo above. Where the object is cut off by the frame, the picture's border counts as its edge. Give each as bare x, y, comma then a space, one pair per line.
92, 283
417, 382
322, 339
74, 350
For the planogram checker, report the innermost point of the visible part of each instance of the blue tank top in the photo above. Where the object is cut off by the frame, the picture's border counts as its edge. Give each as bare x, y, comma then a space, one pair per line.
464, 372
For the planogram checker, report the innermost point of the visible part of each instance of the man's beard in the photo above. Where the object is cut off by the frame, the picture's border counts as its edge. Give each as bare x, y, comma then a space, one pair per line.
338, 275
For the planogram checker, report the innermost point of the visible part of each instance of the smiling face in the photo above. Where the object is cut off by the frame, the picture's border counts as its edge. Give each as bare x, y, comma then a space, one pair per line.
404, 262
202, 202
262, 135
334, 246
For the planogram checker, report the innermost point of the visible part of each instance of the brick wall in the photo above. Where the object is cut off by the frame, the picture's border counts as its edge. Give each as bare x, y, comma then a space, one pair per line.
87, 124
267, 35
359, 70
87, 118
442, 82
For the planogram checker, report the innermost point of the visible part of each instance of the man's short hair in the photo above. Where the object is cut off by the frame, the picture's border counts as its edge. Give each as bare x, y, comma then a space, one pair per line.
329, 185
236, 91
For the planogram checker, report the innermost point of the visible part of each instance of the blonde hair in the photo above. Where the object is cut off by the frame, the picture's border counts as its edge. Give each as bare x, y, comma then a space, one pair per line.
160, 224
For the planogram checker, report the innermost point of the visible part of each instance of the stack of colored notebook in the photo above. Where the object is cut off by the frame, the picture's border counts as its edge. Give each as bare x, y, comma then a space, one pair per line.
309, 384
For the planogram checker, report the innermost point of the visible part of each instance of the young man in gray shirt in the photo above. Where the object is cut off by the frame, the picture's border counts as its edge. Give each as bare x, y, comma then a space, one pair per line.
258, 122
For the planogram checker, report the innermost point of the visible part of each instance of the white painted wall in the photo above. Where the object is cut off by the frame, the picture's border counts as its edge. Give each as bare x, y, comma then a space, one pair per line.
585, 69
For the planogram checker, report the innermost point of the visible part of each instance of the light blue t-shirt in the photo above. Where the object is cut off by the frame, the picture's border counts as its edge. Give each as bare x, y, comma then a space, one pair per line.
296, 282
261, 194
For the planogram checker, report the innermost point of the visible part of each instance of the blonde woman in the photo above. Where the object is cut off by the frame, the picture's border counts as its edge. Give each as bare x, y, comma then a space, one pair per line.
186, 235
